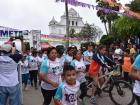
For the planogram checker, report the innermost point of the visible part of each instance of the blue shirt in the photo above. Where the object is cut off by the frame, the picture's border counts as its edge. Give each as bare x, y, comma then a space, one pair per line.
136, 63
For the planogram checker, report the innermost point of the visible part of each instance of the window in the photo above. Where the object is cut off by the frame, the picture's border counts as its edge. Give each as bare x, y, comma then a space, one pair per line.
72, 23
76, 23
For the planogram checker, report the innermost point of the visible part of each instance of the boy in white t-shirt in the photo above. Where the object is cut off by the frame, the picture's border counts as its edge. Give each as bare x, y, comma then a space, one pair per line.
67, 91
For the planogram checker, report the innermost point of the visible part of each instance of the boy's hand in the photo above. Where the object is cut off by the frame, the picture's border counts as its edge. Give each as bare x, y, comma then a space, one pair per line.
54, 84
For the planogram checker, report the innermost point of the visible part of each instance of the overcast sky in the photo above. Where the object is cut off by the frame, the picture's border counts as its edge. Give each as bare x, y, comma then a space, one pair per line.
36, 14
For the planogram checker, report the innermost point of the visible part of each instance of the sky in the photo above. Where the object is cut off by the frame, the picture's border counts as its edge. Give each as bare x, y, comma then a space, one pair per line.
36, 14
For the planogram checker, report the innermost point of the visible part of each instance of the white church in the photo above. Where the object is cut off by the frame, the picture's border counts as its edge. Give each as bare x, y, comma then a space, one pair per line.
59, 28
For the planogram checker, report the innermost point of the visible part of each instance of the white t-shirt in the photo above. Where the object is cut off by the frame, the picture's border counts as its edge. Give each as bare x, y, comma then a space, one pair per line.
89, 55
79, 67
8, 72
62, 59
68, 58
67, 94
24, 67
33, 63
53, 69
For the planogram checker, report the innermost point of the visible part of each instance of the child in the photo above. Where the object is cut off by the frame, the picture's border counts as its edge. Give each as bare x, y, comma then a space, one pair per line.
80, 68
67, 91
127, 63
24, 71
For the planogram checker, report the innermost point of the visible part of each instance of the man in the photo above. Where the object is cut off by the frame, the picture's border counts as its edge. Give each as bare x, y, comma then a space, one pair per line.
9, 84
135, 74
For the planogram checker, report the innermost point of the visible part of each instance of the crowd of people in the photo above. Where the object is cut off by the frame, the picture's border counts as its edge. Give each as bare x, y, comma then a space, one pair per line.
60, 73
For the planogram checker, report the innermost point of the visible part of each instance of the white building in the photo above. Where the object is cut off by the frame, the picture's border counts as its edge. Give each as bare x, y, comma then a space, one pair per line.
34, 36
59, 28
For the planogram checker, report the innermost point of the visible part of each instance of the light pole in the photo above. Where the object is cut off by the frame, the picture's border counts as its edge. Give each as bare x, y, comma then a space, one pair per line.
67, 24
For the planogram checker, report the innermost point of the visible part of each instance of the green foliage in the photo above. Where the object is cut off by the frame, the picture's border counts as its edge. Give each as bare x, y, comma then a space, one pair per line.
89, 32
27, 46
72, 33
127, 27
135, 5
107, 39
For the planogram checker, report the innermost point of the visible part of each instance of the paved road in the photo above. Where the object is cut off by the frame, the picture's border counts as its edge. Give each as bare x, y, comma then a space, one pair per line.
34, 97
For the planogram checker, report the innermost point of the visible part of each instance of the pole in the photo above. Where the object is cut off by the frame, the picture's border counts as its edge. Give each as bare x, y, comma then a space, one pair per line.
20, 82
67, 24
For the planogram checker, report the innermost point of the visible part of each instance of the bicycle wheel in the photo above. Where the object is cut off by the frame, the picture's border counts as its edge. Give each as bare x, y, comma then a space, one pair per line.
121, 93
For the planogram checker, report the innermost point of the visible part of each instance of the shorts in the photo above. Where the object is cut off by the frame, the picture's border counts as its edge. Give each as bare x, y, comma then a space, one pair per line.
94, 68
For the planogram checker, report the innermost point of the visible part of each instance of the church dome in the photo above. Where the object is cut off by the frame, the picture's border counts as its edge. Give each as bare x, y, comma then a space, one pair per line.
53, 21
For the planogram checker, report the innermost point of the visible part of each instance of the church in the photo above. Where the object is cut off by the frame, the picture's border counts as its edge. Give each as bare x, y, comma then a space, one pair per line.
59, 28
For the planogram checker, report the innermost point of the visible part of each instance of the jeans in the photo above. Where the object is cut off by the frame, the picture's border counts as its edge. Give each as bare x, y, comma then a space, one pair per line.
11, 93
25, 78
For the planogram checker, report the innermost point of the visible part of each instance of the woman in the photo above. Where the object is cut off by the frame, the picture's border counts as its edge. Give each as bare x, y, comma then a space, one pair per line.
99, 62
50, 74
33, 68
69, 56
24, 71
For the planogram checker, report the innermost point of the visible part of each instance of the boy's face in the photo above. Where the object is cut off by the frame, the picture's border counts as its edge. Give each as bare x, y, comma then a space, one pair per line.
70, 77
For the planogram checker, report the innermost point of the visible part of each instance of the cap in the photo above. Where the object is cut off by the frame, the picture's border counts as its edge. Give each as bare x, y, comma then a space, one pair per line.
6, 47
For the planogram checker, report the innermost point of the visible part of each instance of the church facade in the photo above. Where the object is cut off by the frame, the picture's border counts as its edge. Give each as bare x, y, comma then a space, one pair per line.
59, 28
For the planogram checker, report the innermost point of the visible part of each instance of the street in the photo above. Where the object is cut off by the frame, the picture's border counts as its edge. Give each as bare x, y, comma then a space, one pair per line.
34, 97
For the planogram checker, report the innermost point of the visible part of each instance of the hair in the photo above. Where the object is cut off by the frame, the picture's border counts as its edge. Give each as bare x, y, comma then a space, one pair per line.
60, 49
67, 68
34, 52
50, 49
69, 48
127, 51
101, 47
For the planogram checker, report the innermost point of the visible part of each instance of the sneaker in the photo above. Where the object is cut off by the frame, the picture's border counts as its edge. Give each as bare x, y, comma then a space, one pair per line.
93, 100
26, 89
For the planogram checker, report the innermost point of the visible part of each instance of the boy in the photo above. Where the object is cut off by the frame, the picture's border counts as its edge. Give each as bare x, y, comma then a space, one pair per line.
67, 91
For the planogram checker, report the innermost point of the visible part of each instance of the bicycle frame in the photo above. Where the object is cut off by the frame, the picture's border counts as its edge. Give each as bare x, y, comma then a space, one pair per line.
108, 74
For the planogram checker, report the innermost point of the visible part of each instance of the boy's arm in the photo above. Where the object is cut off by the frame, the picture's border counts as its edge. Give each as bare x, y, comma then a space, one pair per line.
58, 95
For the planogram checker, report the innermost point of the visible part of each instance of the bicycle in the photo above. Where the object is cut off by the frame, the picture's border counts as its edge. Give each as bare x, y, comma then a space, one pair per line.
120, 92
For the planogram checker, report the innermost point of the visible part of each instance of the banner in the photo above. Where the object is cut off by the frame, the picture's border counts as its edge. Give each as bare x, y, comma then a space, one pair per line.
81, 4
53, 38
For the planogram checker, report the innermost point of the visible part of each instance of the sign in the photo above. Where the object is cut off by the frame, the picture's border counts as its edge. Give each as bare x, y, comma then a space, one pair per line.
7, 33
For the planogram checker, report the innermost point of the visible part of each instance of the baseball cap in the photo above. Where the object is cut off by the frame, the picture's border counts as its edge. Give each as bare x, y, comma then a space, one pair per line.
6, 47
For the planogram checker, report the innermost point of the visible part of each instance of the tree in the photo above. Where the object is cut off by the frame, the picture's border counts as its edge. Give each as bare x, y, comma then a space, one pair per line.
72, 33
107, 18
134, 6
89, 32
126, 27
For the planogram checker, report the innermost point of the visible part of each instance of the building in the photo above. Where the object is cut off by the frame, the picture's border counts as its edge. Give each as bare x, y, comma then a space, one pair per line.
59, 28
32, 37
